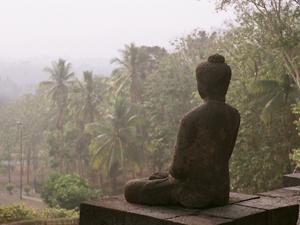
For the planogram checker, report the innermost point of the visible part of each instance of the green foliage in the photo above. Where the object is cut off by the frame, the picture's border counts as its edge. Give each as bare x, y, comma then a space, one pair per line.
296, 151
138, 63
262, 92
66, 191
52, 141
166, 101
274, 95
114, 140
296, 159
264, 144
16, 212
272, 25
57, 213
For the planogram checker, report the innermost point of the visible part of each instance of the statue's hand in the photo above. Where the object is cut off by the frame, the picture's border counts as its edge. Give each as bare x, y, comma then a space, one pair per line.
158, 175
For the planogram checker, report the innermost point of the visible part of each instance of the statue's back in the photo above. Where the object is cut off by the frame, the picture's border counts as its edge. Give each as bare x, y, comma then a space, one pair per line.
213, 127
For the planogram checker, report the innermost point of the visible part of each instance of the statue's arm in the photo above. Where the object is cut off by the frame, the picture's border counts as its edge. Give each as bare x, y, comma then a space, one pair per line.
179, 166
237, 129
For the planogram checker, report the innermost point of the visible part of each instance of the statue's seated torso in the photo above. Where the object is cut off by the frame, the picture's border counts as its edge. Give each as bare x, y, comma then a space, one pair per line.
204, 145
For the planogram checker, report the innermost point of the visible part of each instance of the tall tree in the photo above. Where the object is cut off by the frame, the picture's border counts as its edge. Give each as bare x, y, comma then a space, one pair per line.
274, 24
138, 62
274, 95
90, 98
60, 77
84, 100
113, 144
263, 96
129, 59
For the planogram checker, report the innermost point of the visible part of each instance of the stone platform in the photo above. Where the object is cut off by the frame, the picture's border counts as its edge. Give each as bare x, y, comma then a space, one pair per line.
279, 207
290, 180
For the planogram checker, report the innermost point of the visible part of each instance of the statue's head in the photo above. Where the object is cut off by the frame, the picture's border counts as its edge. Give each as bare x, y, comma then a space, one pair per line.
213, 77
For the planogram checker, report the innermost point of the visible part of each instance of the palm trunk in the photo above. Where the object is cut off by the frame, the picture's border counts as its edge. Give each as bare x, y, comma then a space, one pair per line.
28, 166
61, 150
35, 168
9, 173
9, 167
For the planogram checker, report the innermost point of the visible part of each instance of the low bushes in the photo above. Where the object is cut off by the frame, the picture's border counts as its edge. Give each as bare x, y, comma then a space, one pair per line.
17, 212
66, 191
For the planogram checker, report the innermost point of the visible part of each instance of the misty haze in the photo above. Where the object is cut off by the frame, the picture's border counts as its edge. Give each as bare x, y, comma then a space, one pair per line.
149, 112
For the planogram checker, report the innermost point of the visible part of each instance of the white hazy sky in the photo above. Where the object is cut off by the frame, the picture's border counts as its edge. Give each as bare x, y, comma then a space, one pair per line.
97, 28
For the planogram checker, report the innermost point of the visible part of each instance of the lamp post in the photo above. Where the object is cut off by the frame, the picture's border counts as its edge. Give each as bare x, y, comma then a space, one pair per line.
20, 128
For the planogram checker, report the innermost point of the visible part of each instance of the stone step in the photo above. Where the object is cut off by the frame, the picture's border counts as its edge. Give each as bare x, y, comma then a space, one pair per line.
287, 195
242, 210
292, 179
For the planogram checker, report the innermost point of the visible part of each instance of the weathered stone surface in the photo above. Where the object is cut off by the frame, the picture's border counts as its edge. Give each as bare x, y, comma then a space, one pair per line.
203, 220
290, 180
244, 210
95, 215
117, 211
239, 197
280, 193
279, 211
287, 195
239, 214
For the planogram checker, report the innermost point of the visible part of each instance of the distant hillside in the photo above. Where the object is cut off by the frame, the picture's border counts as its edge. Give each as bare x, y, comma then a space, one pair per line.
21, 76
30, 71
8, 89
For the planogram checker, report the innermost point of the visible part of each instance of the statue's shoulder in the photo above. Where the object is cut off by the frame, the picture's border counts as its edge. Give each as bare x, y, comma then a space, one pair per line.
194, 114
205, 110
234, 110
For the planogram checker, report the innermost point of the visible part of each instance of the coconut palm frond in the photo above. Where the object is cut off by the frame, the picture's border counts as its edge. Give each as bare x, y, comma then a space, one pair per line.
273, 105
102, 148
264, 86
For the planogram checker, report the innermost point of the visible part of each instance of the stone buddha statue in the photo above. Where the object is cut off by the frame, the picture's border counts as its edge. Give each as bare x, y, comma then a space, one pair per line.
199, 173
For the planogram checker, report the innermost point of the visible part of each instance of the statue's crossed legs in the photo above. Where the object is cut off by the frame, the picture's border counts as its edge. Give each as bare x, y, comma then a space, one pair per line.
152, 192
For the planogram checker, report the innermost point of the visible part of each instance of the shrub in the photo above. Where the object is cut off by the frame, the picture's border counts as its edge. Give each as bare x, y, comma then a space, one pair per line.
57, 213
15, 212
66, 191
10, 188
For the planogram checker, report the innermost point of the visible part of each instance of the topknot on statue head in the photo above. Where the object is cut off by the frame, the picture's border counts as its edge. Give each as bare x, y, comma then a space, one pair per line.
213, 77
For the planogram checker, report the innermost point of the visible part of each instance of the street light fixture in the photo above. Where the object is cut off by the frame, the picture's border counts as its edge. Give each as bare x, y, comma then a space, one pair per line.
20, 129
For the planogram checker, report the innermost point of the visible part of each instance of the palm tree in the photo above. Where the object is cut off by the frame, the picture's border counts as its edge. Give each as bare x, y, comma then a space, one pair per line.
138, 61
60, 77
114, 141
88, 108
83, 107
129, 59
274, 95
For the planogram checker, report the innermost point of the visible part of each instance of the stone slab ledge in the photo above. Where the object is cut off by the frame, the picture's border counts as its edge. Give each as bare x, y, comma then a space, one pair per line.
243, 209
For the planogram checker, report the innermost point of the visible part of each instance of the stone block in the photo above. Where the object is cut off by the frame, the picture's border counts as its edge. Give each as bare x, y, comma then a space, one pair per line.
279, 210
292, 179
242, 210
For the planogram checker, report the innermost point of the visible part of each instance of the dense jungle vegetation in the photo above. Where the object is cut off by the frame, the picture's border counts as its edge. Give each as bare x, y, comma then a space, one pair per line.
108, 129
